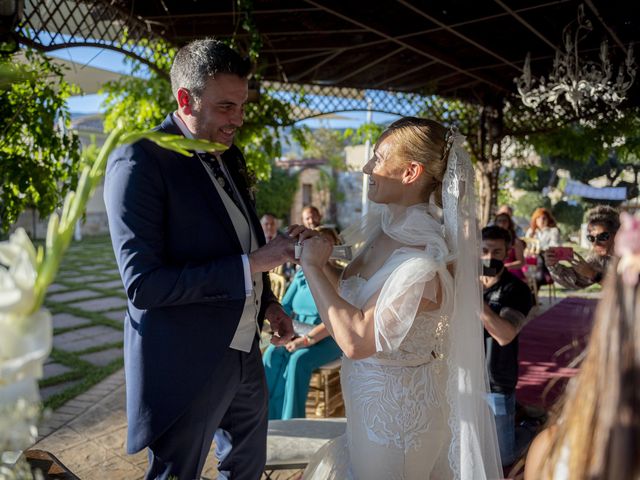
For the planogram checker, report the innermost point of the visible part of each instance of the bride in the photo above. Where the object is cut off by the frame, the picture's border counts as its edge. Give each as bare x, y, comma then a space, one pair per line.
406, 316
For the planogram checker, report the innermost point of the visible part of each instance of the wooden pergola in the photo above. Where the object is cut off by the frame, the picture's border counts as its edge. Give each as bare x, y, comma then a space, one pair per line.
465, 49
388, 56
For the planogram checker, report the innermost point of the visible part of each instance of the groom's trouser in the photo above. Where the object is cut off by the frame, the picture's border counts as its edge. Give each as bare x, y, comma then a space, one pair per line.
235, 399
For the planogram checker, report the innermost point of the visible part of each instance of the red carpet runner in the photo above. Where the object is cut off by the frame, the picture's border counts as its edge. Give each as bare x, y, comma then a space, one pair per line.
548, 344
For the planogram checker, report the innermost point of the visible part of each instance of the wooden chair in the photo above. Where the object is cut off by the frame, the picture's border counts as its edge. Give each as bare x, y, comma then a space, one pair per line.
278, 284
530, 276
325, 392
279, 270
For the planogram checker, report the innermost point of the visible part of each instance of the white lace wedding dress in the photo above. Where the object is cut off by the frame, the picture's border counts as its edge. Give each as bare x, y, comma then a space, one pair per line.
395, 401
416, 409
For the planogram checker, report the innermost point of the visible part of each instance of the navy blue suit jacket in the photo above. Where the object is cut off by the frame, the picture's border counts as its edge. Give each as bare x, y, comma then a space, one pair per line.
179, 258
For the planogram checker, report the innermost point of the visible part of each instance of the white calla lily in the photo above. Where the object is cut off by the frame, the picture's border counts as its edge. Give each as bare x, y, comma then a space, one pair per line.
25, 337
18, 272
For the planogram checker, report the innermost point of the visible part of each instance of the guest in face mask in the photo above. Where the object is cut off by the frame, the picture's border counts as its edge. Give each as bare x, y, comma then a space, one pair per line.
507, 304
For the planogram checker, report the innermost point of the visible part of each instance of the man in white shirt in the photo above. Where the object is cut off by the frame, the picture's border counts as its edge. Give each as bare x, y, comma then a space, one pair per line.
269, 226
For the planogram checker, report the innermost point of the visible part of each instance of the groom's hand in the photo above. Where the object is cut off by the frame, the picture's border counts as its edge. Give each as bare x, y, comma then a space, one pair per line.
278, 251
281, 324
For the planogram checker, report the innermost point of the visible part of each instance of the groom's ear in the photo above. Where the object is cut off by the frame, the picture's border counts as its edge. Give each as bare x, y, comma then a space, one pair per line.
184, 101
412, 172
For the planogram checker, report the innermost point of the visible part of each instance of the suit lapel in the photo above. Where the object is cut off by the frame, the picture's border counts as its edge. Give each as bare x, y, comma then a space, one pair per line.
202, 182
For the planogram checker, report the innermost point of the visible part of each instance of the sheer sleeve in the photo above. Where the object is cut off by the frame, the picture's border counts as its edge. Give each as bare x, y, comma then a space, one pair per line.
413, 279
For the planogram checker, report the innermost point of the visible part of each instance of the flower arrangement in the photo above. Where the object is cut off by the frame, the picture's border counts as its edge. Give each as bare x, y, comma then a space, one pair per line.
26, 329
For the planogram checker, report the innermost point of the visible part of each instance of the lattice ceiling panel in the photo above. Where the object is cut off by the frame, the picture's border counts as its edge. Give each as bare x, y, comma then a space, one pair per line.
54, 24
350, 55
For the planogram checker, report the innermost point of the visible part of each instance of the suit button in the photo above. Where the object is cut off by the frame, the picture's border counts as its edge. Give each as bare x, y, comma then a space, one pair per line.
257, 302
254, 283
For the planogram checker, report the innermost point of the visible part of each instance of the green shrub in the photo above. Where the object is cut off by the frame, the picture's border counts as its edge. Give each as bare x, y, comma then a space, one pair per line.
532, 179
569, 215
527, 203
275, 195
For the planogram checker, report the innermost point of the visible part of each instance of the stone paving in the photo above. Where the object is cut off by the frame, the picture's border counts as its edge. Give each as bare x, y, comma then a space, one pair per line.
88, 304
88, 435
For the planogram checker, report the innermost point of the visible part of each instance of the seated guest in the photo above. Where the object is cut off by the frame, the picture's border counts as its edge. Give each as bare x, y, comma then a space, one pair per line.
288, 369
269, 224
515, 256
507, 304
602, 224
509, 211
596, 430
311, 217
543, 228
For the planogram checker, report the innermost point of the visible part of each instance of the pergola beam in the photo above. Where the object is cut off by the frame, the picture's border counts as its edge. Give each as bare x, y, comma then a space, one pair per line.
432, 56
300, 76
405, 73
613, 34
369, 65
453, 31
515, 15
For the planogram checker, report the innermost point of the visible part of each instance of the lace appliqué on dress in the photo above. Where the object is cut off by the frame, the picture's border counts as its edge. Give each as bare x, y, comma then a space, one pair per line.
397, 402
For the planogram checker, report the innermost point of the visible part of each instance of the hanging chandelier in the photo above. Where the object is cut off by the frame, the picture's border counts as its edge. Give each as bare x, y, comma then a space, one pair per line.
576, 86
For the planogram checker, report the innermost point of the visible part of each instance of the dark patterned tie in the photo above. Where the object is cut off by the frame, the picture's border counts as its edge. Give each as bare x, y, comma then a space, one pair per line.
222, 179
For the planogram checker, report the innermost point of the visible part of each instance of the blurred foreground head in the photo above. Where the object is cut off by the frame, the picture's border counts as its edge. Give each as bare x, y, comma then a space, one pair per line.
598, 428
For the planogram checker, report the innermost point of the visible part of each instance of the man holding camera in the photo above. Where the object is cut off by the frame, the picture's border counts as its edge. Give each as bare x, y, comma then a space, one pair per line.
507, 301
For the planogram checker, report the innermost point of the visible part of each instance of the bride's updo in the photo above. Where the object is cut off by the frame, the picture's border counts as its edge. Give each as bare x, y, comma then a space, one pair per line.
424, 141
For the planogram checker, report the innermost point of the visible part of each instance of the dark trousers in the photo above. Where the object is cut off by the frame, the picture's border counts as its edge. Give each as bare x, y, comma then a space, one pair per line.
233, 406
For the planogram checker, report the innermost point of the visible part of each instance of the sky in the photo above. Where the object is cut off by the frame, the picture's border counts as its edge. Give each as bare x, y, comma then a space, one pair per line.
115, 62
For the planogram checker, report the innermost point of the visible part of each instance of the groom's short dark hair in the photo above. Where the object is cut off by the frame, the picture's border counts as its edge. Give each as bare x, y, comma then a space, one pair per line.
200, 60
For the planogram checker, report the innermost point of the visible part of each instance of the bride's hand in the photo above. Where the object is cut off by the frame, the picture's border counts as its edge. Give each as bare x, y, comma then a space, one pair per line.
316, 251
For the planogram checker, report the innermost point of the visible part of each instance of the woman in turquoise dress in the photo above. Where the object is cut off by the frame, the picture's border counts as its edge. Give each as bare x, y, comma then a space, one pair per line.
288, 369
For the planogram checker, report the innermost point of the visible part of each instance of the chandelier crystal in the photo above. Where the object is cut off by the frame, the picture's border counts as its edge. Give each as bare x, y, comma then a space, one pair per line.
575, 86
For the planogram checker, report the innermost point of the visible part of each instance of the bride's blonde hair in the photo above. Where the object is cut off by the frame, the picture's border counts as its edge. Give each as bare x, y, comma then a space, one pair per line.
424, 141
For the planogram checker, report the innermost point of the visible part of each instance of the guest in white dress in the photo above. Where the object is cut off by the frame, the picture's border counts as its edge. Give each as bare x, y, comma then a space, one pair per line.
544, 229
406, 316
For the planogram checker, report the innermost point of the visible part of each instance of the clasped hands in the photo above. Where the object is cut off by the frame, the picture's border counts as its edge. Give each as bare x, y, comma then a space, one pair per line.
316, 250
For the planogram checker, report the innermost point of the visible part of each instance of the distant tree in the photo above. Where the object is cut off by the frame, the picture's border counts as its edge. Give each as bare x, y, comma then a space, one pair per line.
590, 149
275, 195
534, 179
327, 144
39, 155
366, 132
527, 203
568, 215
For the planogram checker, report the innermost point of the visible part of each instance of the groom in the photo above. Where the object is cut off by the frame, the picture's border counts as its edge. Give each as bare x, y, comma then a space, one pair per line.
192, 254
